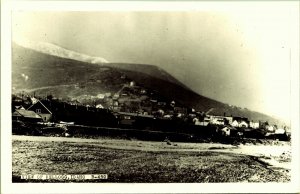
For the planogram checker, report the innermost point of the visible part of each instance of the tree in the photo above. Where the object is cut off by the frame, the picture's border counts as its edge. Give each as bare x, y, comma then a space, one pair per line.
49, 97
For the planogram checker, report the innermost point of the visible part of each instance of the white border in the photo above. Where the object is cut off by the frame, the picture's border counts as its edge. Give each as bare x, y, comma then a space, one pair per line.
6, 168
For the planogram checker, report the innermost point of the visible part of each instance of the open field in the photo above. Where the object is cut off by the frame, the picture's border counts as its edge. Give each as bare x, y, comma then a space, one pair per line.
141, 161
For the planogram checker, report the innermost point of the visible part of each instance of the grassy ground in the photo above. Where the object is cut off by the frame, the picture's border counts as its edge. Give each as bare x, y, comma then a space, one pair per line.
60, 157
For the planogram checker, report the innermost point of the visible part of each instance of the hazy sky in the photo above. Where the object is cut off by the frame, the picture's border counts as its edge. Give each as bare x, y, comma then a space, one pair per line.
237, 57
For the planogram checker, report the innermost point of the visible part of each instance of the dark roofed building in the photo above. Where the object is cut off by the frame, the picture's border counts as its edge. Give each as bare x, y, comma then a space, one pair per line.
40, 109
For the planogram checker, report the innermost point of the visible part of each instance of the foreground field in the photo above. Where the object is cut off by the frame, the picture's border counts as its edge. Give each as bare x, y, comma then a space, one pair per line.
139, 161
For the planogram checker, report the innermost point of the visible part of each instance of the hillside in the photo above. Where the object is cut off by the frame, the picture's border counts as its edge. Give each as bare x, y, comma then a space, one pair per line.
44, 74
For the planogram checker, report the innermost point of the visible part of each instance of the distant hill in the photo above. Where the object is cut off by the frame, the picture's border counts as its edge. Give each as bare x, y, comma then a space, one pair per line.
34, 71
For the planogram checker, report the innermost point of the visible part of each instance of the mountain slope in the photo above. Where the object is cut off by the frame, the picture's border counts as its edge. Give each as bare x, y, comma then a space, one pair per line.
44, 74
48, 48
150, 70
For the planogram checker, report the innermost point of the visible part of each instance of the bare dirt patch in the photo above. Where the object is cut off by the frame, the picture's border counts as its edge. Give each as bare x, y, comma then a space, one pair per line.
138, 161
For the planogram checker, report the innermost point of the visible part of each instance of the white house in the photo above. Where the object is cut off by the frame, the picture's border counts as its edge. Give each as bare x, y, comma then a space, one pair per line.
225, 131
243, 124
99, 106
196, 121
270, 128
101, 96
279, 131
235, 123
254, 125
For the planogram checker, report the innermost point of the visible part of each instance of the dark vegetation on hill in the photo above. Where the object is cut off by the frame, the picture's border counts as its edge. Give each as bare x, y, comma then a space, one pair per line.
63, 78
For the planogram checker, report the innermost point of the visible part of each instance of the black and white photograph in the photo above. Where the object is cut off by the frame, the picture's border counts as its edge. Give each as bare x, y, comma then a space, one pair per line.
197, 95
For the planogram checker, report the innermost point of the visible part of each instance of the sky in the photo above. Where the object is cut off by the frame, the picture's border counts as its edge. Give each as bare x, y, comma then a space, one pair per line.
237, 56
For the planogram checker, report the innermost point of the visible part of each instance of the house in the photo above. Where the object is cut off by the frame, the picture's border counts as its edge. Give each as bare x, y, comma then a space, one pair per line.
228, 119
235, 123
263, 125
240, 123
99, 106
280, 131
115, 103
116, 96
133, 119
254, 125
74, 102
243, 124
26, 115
196, 121
101, 96
222, 120
240, 119
180, 110
225, 131
270, 128
217, 121
205, 121
40, 109
132, 84
126, 118
202, 121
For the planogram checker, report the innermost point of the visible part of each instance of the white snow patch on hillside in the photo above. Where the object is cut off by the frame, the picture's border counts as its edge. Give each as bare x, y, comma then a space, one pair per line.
52, 49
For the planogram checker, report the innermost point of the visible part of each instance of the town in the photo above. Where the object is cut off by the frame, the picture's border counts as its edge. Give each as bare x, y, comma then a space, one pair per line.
170, 94
132, 107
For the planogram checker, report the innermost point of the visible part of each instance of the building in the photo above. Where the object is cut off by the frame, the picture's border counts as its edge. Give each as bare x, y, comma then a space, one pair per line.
101, 96
220, 120
100, 106
217, 121
254, 125
243, 124
132, 84
40, 109
240, 119
26, 116
134, 119
116, 96
234, 123
181, 110
125, 118
240, 122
